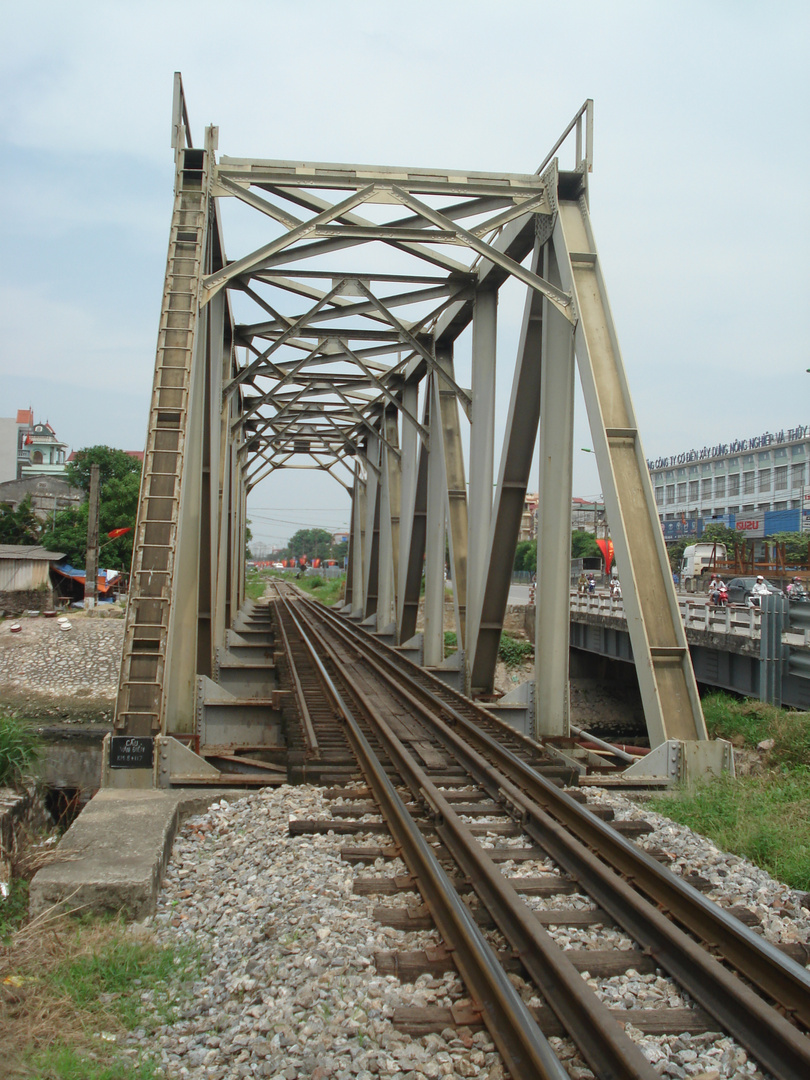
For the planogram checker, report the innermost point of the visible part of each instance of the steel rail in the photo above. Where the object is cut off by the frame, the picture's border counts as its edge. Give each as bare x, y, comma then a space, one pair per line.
776, 974
609, 1051
306, 719
523, 1046
773, 1040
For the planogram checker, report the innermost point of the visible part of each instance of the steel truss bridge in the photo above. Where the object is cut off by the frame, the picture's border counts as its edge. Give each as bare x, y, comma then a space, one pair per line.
361, 281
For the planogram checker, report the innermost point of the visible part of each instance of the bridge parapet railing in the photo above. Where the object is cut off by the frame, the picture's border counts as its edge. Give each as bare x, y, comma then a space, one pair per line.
744, 621
698, 615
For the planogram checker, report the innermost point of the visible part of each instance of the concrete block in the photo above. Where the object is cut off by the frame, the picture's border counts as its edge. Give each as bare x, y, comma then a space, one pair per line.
113, 856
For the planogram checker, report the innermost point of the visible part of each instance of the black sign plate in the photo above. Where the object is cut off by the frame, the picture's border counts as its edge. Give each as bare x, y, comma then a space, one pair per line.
131, 751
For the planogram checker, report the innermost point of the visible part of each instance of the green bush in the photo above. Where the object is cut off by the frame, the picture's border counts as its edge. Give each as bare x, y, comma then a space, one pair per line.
19, 747
514, 651
764, 816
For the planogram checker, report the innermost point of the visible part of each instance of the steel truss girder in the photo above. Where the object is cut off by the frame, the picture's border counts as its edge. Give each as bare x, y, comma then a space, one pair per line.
331, 386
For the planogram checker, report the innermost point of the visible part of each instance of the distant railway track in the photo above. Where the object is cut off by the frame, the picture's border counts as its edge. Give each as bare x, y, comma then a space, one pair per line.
501, 856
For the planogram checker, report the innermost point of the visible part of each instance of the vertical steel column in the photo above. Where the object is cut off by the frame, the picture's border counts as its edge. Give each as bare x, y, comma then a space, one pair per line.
773, 620
510, 493
389, 523
416, 520
435, 537
371, 547
222, 604
212, 398
482, 449
552, 625
409, 471
456, 490
357, 544
666, 679
222, 416
182, 634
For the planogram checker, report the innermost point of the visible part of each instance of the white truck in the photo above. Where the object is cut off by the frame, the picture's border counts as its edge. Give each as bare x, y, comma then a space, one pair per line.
698, 558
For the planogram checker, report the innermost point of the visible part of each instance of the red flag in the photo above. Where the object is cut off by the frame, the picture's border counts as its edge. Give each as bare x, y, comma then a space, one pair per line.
119, 532
606, 547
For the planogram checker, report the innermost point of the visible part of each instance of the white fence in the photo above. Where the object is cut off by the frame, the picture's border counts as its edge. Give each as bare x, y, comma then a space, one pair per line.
696, 615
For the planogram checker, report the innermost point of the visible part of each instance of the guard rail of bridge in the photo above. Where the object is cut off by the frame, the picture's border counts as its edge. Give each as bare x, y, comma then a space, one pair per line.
697, 615
781, 630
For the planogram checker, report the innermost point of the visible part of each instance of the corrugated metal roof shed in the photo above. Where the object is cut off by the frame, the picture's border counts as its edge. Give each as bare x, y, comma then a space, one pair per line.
29, 551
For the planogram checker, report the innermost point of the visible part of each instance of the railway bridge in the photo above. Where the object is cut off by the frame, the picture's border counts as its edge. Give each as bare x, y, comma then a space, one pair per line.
328, 344
282, 358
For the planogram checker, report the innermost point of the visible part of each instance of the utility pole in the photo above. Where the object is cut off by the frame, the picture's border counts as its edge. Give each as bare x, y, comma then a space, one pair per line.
91, 562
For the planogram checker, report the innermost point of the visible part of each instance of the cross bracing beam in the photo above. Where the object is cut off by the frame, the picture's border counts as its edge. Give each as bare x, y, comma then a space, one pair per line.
351, 298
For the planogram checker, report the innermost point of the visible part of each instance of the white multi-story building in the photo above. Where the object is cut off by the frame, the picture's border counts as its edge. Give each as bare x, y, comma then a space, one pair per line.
744, 478
28, 449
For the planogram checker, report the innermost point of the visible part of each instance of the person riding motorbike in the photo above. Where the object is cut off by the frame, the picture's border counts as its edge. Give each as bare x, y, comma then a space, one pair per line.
759, 590
716, 587
796, 590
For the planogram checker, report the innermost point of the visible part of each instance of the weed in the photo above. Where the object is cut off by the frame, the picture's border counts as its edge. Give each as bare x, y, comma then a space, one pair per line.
14, 909
327, 590
255, 586
19, 748
63, 984
64, 1063
764, 818
746, 722
514, 651
450, 642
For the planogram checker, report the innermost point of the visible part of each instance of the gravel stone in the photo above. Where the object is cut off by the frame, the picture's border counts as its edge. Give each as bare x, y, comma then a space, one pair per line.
289, 988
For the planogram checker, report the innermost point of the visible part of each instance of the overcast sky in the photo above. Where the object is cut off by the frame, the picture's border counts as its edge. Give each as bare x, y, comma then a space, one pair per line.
698, 195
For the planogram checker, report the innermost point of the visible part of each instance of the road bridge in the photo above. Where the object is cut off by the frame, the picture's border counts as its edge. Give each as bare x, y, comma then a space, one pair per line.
764, 654
328, 344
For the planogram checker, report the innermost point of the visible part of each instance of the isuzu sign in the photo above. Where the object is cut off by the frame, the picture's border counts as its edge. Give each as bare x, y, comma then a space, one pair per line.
750, 526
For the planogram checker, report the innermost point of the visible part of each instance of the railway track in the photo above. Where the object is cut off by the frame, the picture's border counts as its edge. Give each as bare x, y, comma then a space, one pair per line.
507, 864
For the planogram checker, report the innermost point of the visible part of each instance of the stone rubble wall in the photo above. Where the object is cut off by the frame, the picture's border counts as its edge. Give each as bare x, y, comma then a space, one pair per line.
19, 600
20, 812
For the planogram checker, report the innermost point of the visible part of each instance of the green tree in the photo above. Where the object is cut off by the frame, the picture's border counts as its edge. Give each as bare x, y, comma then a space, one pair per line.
314, 543
584, 545
526, 556
715, 533
20, 526
112, 465
340, 551
675, 552
119, 485
797, 547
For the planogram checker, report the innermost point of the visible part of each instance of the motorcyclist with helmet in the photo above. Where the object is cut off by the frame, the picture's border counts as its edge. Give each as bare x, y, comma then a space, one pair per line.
759, 590
796, 591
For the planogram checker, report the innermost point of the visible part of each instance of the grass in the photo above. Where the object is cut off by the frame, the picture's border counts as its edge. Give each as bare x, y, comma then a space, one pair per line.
13, 910
514, 651
765, 815
19, 748
327, 591
255, 584
69, 991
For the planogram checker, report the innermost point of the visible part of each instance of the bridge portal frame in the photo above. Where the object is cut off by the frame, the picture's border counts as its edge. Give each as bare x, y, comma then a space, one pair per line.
336, 385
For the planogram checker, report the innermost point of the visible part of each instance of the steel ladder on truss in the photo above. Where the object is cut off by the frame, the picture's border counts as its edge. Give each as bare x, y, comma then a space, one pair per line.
140, 702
